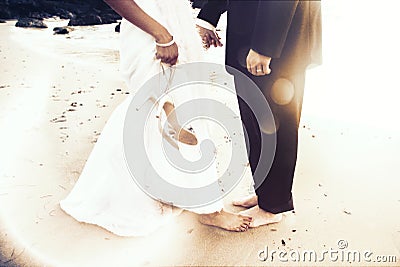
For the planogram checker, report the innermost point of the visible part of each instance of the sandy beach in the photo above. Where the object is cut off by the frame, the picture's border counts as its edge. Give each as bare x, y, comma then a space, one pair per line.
57, 92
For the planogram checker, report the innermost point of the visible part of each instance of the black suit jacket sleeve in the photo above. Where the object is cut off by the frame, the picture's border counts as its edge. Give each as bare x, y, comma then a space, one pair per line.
212, 11
272, 24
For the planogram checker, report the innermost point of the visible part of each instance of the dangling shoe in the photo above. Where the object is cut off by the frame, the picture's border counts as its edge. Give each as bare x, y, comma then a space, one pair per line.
173, 132
168, 132
187, 137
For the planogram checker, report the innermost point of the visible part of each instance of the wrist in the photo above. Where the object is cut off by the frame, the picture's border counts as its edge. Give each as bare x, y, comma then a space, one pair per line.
204, 24
162, 37
258, 54
166, 44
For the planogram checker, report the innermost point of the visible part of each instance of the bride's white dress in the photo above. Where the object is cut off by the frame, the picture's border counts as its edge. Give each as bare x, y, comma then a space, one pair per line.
105, 193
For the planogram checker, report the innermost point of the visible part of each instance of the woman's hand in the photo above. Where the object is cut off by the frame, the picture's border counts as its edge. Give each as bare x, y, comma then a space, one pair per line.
168, 55
135, 15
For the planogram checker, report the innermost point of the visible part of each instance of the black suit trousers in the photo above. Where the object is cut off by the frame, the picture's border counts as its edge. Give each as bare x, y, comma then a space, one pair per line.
284, 94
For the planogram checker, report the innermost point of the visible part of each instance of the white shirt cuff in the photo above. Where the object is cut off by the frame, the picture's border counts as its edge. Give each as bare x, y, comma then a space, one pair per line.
205, 24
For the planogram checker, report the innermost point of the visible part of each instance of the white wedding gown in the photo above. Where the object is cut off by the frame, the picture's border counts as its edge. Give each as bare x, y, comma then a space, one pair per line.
105, 193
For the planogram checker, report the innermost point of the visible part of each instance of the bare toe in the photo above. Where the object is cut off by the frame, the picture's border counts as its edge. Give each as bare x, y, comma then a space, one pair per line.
246, 217
261, 217
244, 227
226, 220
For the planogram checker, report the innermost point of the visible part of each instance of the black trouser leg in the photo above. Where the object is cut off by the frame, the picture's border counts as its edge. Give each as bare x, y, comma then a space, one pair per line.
275, 192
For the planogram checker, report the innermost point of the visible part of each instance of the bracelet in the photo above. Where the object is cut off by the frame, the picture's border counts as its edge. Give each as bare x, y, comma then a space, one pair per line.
166, 44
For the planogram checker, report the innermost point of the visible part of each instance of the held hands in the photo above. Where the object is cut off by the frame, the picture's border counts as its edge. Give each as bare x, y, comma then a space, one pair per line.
257, 64
209, 37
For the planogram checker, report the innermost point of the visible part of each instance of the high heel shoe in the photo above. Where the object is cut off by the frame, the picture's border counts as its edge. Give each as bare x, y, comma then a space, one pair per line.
174, 133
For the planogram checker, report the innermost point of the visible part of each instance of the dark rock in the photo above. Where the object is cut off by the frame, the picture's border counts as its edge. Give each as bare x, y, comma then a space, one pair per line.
39, 15
61, 30
89, 12
64, 14
85, 20
118, 27
5, 12
109, 18
105, 19
2, 21
30, 23
19, 8
93, 18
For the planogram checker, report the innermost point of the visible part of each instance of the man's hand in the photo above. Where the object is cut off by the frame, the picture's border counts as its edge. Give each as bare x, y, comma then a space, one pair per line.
209, 37
257, 64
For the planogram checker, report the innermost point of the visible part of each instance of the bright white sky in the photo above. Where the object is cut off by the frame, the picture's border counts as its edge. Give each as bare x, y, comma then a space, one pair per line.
359, 80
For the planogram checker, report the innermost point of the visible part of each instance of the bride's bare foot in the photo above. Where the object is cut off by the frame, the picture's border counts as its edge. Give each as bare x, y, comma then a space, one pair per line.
261, 217
226, 220
246, 202
183, 135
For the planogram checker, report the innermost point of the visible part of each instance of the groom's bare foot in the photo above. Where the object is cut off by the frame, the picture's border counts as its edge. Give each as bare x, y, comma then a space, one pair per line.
246, 202
226, 220
261, 217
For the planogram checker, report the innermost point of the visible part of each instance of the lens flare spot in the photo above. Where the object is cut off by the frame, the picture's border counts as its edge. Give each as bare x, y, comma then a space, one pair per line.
282, 91
269, 125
